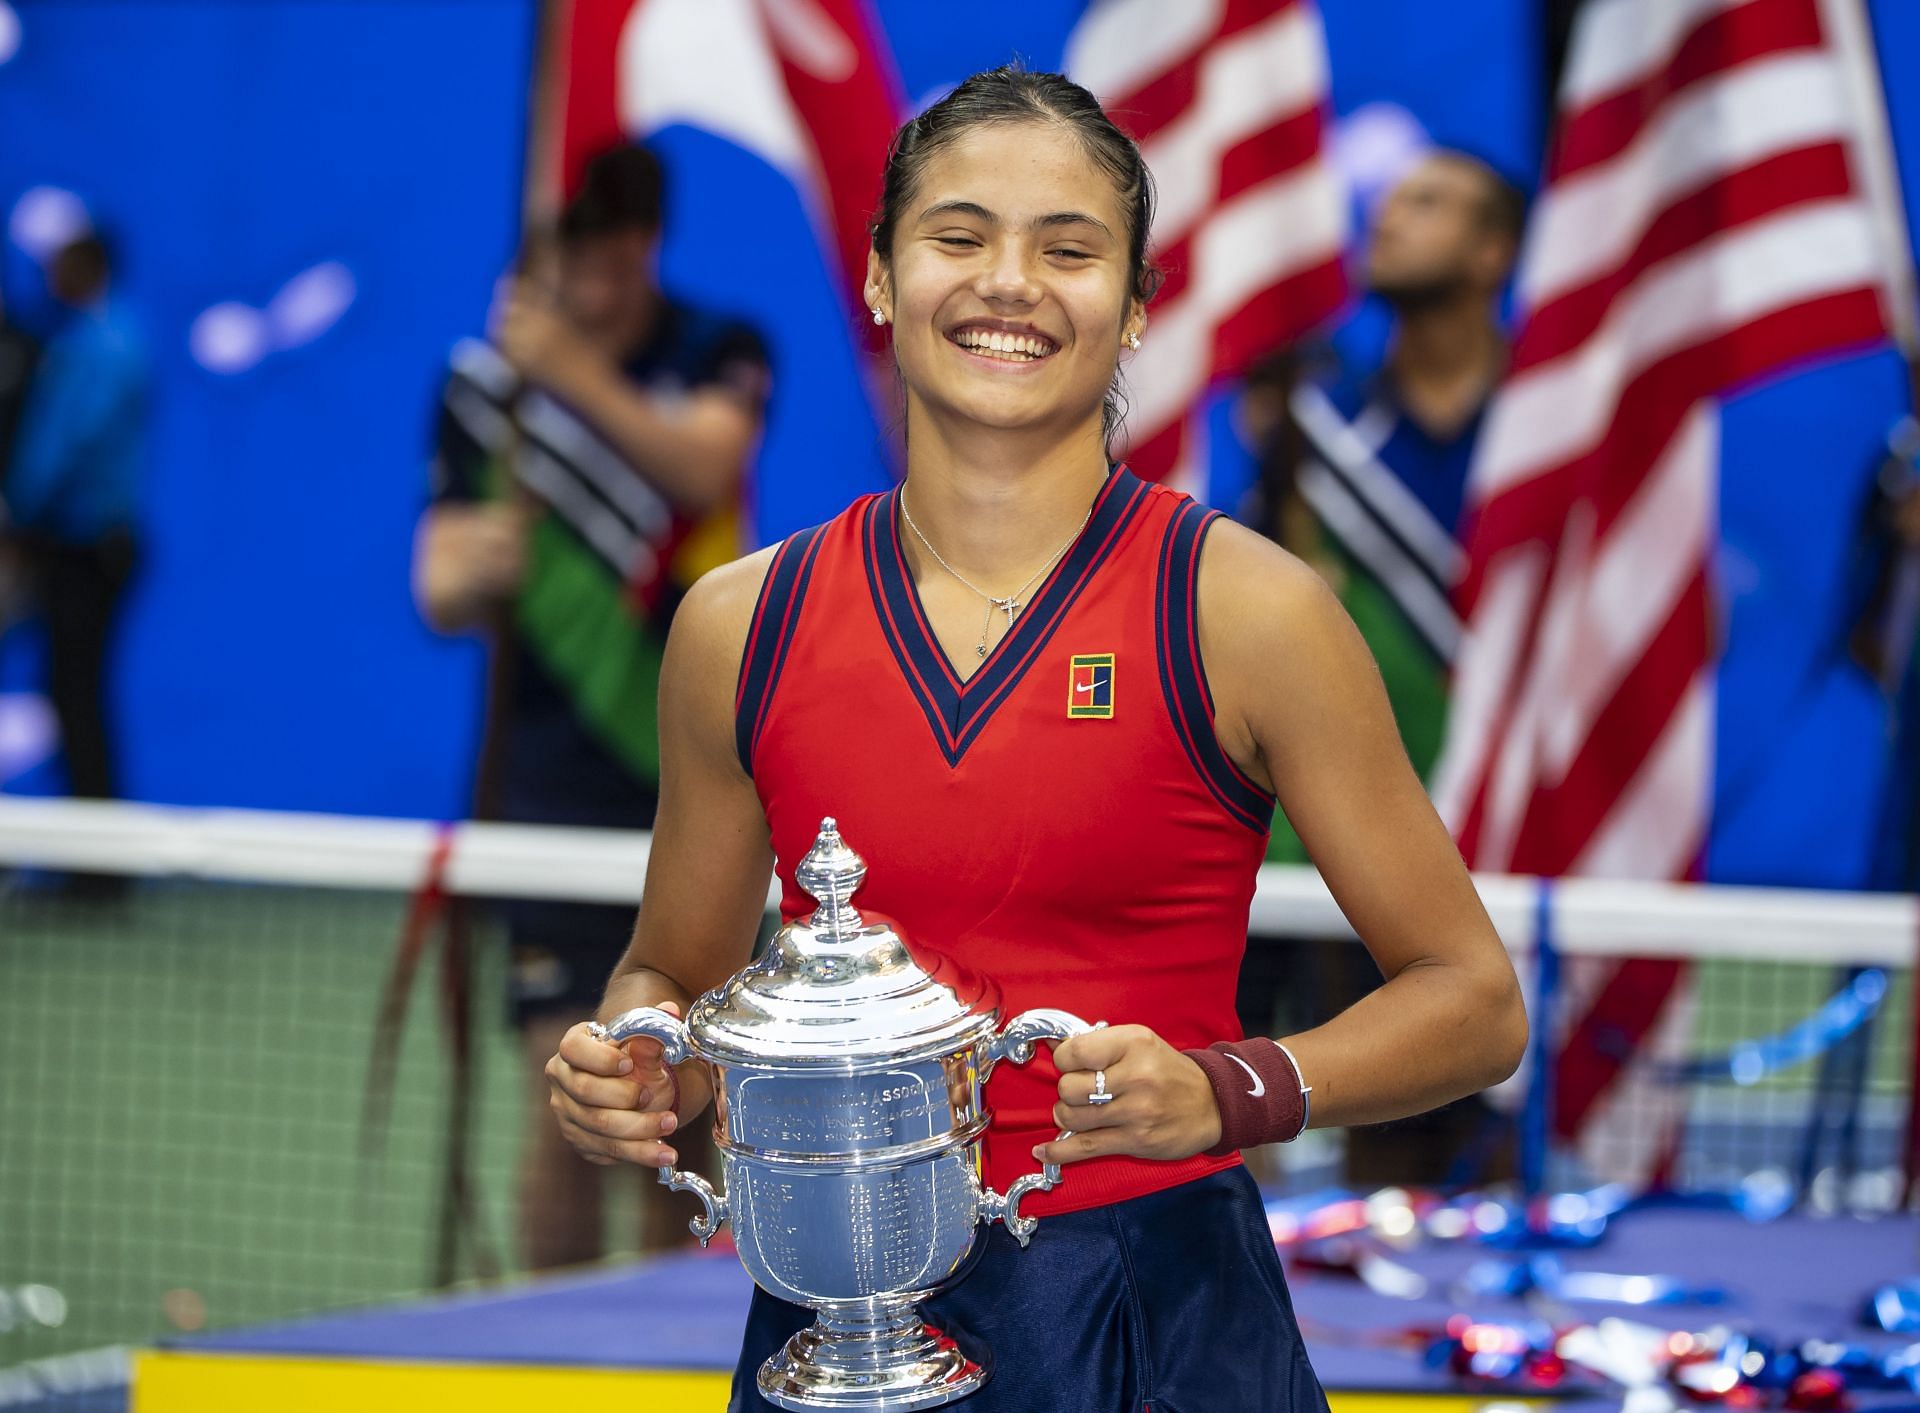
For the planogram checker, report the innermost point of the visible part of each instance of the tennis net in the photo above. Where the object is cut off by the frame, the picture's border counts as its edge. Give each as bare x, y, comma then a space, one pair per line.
188, 1137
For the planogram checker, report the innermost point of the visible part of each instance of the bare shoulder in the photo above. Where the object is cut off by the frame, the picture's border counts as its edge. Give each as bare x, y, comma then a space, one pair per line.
727, 594
704, 649
717, 612
1255, 596
1282, 657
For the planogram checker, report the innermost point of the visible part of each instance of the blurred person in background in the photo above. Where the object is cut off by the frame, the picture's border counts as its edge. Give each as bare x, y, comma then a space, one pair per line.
1884, 638
588, 467
1364, 478
72, 497
18, 355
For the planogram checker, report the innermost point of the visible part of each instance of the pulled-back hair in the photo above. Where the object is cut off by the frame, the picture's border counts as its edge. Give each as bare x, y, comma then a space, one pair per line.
1011, 94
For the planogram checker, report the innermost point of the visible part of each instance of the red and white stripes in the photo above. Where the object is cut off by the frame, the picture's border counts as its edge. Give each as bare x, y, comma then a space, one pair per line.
1226, 99
1703, 226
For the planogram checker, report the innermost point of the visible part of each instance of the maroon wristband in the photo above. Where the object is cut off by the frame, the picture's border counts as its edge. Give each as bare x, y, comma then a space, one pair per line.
1259, 1090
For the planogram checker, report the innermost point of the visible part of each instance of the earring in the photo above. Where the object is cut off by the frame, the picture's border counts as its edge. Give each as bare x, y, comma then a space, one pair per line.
1133, 342
878, 317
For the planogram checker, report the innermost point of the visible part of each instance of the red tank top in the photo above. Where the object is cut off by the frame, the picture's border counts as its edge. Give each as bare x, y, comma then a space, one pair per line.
1064, 823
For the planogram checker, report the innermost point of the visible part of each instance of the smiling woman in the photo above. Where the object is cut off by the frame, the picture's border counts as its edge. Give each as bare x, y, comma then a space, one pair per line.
1073, 801
1075, 203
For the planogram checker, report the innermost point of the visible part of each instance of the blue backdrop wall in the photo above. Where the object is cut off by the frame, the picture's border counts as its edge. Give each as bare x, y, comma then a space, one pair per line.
272, 656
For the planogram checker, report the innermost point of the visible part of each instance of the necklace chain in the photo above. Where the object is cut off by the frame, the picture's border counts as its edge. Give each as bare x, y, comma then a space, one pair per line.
1010, 603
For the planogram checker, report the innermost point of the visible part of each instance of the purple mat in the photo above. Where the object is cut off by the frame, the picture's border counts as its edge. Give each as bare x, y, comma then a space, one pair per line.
678, 1312
1796, 1278
1792, 1279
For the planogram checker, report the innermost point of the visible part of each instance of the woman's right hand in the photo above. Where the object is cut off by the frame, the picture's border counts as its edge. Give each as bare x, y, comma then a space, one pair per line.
615, 1103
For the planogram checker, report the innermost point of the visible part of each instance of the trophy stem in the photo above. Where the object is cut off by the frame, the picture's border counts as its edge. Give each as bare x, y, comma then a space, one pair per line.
877, 1354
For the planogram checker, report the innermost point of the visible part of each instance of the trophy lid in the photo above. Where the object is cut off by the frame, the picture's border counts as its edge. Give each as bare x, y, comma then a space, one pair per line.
837, 990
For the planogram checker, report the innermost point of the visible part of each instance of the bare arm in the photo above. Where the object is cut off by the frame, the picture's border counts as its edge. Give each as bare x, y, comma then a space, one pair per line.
711, 861
705, 891
1301, 708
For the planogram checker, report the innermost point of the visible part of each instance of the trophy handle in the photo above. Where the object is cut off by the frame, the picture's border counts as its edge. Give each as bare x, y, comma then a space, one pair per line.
1015, 1042
672, 1035
996, 1208
1016, 1038
714, 1204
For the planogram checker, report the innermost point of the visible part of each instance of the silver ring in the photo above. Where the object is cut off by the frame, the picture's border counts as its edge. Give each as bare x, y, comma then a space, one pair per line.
1099, 1095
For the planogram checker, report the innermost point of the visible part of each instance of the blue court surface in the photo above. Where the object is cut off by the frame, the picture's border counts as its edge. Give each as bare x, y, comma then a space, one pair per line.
665, 1331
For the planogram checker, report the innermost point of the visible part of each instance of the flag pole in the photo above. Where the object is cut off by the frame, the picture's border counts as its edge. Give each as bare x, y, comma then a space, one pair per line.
1872, 151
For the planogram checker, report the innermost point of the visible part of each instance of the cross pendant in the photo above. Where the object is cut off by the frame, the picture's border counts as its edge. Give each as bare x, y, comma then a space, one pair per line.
1007, 606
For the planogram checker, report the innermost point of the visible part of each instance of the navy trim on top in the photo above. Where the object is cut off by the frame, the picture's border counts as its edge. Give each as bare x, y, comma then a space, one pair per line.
775, 617
958, 711
1184, 680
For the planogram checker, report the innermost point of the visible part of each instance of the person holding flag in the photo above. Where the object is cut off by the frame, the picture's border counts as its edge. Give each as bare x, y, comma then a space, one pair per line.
588, 468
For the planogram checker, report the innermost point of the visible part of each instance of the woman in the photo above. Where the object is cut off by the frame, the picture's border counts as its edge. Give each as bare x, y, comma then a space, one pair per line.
1053, 707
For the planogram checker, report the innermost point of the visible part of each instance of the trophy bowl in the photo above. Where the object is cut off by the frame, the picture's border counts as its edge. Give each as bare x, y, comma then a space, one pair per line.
847, 1109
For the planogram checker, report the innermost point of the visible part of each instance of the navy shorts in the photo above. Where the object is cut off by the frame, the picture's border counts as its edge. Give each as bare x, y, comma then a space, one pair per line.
1169, 1303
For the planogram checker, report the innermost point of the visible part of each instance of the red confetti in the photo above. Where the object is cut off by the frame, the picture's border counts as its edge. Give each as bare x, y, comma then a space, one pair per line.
1546, 1369
1818, 1389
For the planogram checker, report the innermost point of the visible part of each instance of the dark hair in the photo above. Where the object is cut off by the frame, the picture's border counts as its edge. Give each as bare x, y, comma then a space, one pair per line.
82, 267
622, 189
1011, 94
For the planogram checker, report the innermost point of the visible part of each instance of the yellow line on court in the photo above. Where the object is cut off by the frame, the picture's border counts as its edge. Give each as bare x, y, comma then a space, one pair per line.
179, 1381
175, 1381
1348, 1401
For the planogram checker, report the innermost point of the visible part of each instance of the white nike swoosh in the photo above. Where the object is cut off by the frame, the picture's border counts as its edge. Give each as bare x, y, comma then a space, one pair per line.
1088, 688
1259, 1085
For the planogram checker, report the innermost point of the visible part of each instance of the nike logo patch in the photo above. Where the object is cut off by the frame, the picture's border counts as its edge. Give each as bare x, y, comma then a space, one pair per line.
1259, 1085
1090, 686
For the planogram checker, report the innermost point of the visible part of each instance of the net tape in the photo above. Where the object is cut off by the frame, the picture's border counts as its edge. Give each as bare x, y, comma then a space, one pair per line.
1591, 916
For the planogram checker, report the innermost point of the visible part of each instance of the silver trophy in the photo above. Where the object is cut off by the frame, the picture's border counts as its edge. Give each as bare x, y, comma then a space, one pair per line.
847, 1108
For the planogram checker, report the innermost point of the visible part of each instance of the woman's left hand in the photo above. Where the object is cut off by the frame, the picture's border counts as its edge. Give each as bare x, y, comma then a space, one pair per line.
1162, 1105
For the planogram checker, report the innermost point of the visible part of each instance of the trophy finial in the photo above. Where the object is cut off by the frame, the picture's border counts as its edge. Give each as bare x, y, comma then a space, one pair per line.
831, 873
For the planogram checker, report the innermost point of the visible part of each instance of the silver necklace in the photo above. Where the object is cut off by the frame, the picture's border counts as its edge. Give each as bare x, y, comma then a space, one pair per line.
1009, 604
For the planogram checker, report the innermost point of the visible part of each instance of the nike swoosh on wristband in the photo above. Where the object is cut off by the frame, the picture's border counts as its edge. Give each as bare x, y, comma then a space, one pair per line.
1259, 1084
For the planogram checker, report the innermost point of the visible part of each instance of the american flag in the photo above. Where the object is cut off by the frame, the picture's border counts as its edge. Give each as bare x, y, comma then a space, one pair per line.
1227, 100
1716, 211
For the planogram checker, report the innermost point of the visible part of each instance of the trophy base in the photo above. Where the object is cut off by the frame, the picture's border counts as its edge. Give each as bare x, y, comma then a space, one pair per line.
886, 1360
